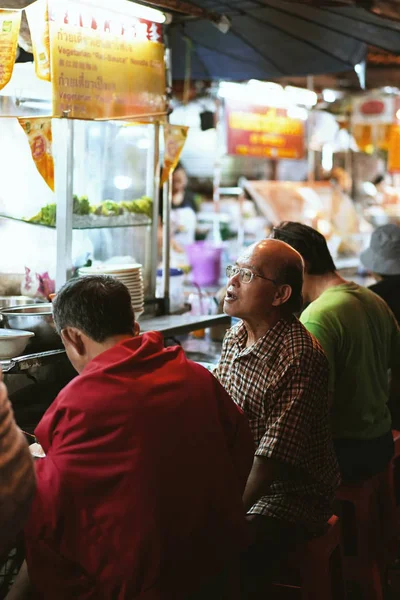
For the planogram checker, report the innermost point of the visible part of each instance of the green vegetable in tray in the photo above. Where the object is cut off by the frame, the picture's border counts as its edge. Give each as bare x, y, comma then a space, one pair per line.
108, 208
81, 205
46, 216
142, 206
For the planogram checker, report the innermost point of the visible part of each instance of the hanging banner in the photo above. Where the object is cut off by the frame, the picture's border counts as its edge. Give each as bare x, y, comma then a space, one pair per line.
39, 134
262, 132
394, 150
363, 137
10, 22
104, 64
38, 21
174, 141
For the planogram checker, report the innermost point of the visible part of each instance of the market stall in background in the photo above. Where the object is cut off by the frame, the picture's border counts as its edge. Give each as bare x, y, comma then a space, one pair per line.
375, 121
88, 122
81, 132
276, 155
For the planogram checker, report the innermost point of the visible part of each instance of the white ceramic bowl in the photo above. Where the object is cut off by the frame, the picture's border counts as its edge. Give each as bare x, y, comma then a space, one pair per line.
13, 342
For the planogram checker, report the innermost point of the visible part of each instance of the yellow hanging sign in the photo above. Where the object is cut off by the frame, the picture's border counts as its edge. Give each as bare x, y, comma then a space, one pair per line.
39, 134
174, 141
104, 64
10, 22
38, 20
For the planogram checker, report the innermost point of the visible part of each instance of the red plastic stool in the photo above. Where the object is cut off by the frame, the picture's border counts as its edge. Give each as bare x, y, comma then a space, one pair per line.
318, 565
396, 439
388, 516
396, 465
372, 531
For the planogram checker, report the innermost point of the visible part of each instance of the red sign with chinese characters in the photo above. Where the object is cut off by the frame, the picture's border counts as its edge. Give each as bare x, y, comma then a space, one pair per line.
262, 131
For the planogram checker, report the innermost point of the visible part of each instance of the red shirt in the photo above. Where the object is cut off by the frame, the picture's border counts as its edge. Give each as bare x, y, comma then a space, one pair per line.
139, 495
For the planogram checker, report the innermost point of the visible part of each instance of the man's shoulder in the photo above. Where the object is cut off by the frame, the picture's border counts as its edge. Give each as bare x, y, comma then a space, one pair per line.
98, 384
71, 394
300, 347
342, 298
329, 310
94, 384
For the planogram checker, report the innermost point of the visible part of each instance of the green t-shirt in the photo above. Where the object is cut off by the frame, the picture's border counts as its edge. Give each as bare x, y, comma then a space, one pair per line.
361, 340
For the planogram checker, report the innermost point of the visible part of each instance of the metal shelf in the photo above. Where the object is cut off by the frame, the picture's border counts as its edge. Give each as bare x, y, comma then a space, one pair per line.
98, 223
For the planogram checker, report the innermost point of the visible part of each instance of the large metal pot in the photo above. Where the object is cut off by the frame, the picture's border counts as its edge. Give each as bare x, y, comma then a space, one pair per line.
9, 301
37, 318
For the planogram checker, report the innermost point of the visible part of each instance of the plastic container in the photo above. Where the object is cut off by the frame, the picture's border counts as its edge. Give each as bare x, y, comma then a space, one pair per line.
176, 294
205, 260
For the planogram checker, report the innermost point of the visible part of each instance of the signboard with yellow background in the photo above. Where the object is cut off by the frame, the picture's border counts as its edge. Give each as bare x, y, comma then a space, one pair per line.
103, 64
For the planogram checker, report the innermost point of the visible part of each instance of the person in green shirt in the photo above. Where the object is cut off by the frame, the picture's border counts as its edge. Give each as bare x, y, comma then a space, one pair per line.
361, 339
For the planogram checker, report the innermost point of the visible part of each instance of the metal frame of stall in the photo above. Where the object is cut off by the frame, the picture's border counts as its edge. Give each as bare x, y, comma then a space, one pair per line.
64, 169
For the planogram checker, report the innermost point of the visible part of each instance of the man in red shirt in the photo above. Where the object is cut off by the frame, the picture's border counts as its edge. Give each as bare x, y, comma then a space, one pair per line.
147, 457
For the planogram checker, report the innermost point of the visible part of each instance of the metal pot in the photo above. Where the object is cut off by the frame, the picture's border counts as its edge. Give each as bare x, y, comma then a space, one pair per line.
38, 319
9, 301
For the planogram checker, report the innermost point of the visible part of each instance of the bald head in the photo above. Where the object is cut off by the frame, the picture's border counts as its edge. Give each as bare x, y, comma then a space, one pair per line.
279, 261
276, 253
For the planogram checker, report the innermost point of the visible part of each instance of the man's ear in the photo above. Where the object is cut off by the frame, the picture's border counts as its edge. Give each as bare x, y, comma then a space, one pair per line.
282, 295
72, 338
136, 328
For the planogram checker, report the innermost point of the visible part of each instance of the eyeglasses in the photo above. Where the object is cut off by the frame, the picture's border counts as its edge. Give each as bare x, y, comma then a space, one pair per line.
245, 275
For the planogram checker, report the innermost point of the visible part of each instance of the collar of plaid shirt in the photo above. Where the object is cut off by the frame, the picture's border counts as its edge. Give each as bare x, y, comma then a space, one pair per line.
281, 383
261, 346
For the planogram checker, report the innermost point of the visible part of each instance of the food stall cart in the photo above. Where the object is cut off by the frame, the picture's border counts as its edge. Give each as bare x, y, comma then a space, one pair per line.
89, 142
80, 166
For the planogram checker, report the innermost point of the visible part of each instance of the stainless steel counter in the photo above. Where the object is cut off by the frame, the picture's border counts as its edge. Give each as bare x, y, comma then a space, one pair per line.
173, 325
169, 326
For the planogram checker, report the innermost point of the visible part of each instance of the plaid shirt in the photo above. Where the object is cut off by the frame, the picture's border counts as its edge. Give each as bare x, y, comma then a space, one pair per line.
281, 383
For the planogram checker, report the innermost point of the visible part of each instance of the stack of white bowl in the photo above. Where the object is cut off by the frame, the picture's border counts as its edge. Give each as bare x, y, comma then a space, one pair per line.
129, 274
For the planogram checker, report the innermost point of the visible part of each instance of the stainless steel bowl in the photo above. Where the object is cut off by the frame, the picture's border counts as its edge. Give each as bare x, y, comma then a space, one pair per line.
9, 301
37, 318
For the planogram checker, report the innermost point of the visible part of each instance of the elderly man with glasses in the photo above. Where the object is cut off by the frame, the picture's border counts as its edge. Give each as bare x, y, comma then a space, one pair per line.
278, 374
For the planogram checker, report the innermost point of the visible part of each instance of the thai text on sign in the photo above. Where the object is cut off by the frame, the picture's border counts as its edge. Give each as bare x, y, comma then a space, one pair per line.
104, 64
263, 131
